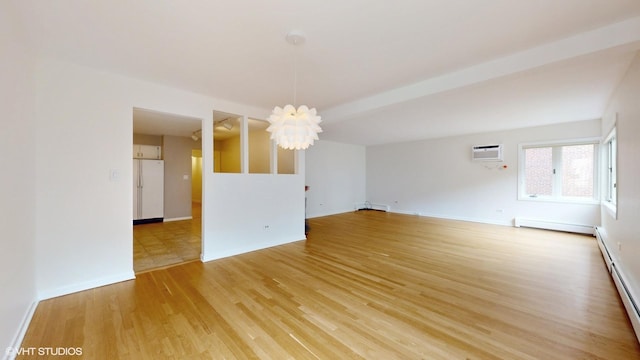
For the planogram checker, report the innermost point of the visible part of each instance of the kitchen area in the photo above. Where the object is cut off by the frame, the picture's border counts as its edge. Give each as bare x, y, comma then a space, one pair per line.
166, 208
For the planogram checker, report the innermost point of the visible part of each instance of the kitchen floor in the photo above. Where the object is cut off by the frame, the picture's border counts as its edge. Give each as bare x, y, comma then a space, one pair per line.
163, 244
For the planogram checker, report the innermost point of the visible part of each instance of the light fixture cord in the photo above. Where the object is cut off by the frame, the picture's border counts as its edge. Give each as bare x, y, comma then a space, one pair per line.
295, 74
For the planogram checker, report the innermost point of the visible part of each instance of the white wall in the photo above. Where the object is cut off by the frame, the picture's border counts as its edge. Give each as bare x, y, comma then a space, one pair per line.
335, 174
625, 230
83, 221
252, 212
17, 184
437, 178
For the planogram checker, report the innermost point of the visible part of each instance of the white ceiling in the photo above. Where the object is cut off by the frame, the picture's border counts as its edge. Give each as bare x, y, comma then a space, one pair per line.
377, 71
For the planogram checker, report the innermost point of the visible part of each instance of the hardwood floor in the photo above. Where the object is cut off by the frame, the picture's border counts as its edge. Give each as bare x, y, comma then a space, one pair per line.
366, 285
163, 244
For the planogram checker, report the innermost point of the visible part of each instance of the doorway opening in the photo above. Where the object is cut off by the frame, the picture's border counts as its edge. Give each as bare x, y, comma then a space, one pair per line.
175, 234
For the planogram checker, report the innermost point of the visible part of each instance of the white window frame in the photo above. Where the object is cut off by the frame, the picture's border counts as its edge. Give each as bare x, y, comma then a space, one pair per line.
610, 175
556, 145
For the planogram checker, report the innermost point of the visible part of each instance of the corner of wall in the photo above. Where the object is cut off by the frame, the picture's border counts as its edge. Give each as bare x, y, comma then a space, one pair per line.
11, 351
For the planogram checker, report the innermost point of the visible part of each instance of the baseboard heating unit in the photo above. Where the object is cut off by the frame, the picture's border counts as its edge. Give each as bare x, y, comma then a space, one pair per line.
608, 260
369, 206
628, 299
629, 304
553, 225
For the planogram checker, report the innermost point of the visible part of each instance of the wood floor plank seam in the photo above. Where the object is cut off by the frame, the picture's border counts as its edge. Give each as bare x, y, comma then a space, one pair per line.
364, 285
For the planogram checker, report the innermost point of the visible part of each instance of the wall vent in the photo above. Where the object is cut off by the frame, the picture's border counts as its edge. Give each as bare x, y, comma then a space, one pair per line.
487, 152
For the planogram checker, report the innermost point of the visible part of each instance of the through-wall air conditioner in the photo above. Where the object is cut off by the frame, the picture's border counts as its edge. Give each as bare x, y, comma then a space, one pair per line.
487, 152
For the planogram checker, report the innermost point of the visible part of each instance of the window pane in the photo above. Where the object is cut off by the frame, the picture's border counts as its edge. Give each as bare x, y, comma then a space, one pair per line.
538, 171
613, 176
286, 161
611, 168
259, 147
577, 165
226, 139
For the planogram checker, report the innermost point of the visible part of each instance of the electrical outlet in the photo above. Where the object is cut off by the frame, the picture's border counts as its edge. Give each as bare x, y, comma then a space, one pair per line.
266, 227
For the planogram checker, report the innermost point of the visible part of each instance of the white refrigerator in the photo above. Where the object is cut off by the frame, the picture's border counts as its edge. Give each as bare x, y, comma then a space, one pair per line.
148, 191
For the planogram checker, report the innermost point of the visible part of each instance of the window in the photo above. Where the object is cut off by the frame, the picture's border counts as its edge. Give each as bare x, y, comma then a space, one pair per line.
242, 145
286, 161
259, 147
227, 147
560, 171
610, 158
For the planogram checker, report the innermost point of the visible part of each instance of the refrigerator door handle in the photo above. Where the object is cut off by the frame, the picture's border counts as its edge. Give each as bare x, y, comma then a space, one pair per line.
140, 175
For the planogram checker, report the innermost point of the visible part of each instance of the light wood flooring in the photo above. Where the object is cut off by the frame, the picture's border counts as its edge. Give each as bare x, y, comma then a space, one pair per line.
365, 285
163, 244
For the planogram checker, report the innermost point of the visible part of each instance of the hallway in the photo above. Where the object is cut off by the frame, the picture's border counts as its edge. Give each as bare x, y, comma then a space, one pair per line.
163, 244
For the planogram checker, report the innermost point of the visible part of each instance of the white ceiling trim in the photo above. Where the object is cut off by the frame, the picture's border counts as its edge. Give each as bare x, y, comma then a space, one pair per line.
618, 34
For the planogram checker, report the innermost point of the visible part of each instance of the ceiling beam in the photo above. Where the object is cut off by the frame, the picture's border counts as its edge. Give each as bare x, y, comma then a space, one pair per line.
615, 35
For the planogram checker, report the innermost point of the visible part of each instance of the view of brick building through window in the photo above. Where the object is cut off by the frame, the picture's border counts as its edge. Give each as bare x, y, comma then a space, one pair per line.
577, 164
539, 171
574, 166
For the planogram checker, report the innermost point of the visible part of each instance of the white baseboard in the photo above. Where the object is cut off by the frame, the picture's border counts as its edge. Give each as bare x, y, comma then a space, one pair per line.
73, 288
22, 331
178, 219
328, 213
437, 216
457, 218
554, 225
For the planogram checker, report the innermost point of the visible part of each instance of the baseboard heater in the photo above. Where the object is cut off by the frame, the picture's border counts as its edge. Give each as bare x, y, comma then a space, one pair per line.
553, 225
629, 301
608, 260
369, 206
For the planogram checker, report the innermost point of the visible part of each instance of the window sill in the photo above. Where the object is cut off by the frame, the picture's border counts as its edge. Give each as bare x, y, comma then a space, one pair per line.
611, 209
560, 200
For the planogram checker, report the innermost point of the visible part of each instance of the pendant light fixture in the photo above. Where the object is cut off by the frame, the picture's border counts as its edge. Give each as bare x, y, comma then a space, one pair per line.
291, 128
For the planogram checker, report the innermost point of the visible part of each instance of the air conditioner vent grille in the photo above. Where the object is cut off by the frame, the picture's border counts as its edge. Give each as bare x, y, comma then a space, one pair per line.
487, 152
